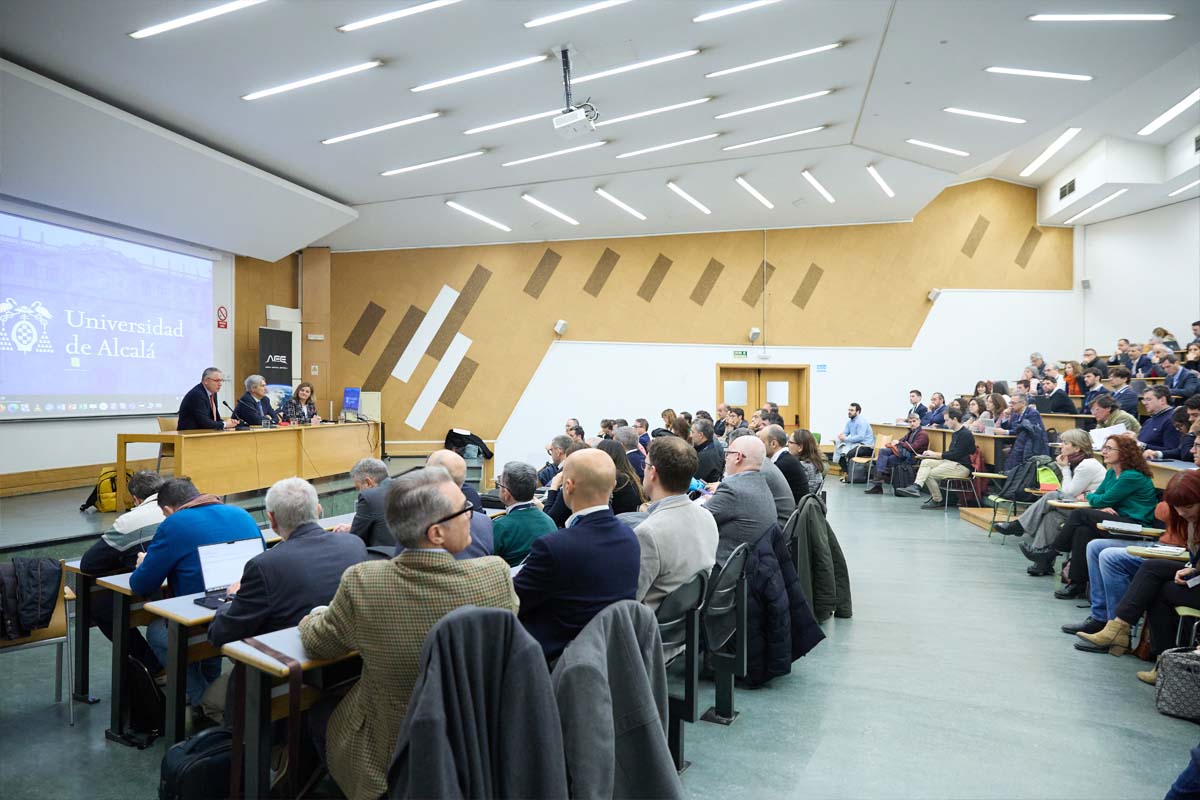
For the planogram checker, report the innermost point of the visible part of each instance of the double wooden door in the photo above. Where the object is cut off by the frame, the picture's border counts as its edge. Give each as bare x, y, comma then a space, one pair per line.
751, 386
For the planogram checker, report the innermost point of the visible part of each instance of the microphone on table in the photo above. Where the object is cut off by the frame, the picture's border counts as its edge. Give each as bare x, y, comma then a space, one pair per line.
233, 413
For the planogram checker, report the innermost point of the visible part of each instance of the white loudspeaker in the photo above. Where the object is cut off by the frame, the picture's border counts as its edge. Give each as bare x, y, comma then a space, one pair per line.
934, 294
1085, 284
754, 334
560, 327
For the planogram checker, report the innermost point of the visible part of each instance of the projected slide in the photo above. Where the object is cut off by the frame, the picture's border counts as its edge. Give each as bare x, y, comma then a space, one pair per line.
95, 326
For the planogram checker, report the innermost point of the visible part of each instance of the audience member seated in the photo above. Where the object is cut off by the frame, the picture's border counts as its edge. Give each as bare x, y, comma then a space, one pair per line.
733, 420
577, 434
1123, 393
856, 438
1167, 338
642, 427
1093, 361
967, 417
523, 521
1183, 383
627, 496
1057, 400
719, 421
557, 450
981, 388
775, 441
1029, 377
198, 408
382, 610
301, 405
935, 417
682, 427
803, 445
254, 406
1159, 584
1104, 408
1040, 523
371, 479
1181, 420
117, 550
710, 457
668, 418
901, 451
757, 423
742, 504
1123, 356
1093, 388
1192, 359
1158, 431
1073, 377
627, 437
191, 520
1196, 333
1125, 495
678, 538
1150, 365
1037, 364
1025, 423
915, 406
481, 524
995, 410
954, 462
781, 493
574, 573
975, 411
1052, 373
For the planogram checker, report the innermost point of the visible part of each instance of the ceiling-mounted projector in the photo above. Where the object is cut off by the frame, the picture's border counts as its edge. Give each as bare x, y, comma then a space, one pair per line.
576, 120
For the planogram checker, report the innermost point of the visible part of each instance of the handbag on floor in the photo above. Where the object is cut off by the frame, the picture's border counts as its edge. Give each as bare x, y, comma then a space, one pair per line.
1177, 693
198, 767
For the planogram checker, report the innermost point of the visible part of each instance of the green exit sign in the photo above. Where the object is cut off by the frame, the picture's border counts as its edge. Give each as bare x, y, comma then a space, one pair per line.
741, 354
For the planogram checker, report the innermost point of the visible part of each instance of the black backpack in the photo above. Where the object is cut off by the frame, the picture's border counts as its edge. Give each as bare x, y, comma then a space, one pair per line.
1025, 476
147, 705
197, 768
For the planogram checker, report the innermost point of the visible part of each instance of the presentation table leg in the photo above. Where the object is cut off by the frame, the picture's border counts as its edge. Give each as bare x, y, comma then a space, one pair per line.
119, 713
83, 625
258, 734
177, 664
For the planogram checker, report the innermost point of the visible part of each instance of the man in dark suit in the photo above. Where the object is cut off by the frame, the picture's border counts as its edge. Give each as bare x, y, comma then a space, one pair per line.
482, 535
711, 458
1122, 392
1183, 383
1092, 382
198, 408
370, 476
628, 439
254, 406
574, 573
1057, 400
775, 440
915, 405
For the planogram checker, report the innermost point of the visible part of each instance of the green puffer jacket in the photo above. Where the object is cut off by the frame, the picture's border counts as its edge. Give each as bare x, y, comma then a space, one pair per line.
824, 577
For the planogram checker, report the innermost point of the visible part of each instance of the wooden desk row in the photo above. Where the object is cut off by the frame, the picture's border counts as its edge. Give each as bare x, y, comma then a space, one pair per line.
990, 444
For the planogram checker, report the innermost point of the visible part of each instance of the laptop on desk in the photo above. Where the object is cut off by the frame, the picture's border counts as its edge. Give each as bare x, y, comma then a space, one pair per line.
222, 565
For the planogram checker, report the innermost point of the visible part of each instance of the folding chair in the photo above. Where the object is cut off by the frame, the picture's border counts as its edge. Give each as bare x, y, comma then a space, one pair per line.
57, 633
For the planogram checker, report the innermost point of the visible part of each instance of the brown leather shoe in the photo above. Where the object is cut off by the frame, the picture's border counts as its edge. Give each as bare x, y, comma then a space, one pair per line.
876, 488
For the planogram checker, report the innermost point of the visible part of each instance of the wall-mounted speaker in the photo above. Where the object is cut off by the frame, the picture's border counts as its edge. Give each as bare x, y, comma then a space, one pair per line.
560, 327
934, 294
1085, 284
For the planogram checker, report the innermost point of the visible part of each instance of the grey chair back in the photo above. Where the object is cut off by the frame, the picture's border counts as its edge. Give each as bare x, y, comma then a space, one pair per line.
673, 612
719, 616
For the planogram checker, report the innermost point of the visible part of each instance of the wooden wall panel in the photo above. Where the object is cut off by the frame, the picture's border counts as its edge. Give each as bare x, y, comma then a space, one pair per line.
315, 275
257, 284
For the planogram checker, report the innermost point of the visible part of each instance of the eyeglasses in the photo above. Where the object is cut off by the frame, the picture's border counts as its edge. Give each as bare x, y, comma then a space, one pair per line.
1108, 448
468, 509
729, 453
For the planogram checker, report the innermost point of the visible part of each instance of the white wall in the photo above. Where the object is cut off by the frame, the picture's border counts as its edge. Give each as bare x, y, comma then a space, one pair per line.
968, 335
1145, 273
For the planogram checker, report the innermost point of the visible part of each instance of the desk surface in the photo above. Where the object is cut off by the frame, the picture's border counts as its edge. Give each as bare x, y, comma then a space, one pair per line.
182, 610
72, 565
1149, 533
119, 584
1065, 504
1150, 552
286, 641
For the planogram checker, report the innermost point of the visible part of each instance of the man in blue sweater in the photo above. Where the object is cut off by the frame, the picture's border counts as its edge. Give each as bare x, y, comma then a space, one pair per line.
192, 520
1158, 432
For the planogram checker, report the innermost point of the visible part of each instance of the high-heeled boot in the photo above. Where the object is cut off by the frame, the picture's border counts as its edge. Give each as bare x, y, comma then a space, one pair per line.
1114, 636
1149, 676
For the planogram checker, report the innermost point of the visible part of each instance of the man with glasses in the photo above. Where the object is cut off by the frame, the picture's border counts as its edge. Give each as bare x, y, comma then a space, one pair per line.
481, 525
557, 450
742, 504
523, 521
383, 611
198, 409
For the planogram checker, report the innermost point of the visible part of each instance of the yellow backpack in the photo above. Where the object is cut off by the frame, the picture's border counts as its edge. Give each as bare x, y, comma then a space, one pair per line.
104, 494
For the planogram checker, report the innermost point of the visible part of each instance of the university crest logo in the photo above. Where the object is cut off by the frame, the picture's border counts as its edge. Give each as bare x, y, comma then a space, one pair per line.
23, 328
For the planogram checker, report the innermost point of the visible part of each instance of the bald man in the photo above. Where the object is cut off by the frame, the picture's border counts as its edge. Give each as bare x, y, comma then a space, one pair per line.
743, 504
482, 534
577, 571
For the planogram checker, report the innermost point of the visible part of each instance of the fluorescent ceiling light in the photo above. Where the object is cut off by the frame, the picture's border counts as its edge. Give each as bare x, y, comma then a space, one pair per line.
879, 179
460, 157
628, 209
775, 60
1183, 189
668, 145
1101, 17
478, 216
533, 201
1171, 113
649, 112
199, 16
757, 195
775, 104
345, 137
984, 115
636, 65
1094, 206
675, 188
774, 138
479, 73
574, 12
554, 153
725, 12
391, 15
1049, 152
542, 115
938, 147
325, 76
1037, 73
816, 184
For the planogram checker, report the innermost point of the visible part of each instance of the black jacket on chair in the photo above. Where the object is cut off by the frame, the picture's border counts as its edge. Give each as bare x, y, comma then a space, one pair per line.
196, 412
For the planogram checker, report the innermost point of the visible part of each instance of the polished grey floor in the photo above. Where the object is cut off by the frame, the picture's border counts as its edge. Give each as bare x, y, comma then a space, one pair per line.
951, 681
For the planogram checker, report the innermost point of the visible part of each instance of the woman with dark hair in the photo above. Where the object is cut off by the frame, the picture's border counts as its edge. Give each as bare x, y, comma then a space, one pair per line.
803, 445
668, 418
627, 496
981, 388
975, 408
302, 405
1125, 495
1191, 359
681, 427
1001, 388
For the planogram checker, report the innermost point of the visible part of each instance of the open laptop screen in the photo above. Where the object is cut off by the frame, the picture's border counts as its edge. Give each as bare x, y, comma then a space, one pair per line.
222, 564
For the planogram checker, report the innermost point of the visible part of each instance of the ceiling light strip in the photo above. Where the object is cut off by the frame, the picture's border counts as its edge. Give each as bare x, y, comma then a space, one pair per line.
574, 12
757, 195
983, 115
392, 15
472, 213
325, 76
738, 9
1094, 206
533, 201
628, 209
528, 118
1101, 17
774, 138
631, 67
874, 173
414, 167
776, 60
650, 112
816, 184
1183, 189
199, 16
345, 137
1171, 113
1048, 153
674, 187
554, 153
480, 73
668, 145
775, 104
1038, 73
938, 147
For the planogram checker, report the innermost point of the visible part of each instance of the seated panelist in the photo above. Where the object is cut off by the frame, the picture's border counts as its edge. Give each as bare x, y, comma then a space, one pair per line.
302, 405
254, 406
198, 408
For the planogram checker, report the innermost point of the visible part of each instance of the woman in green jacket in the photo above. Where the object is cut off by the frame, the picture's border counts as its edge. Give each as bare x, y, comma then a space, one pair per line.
1125, 495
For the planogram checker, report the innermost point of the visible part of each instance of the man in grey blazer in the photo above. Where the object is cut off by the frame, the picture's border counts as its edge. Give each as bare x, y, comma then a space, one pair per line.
743, 505
678, 538
781, 492
371, 479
